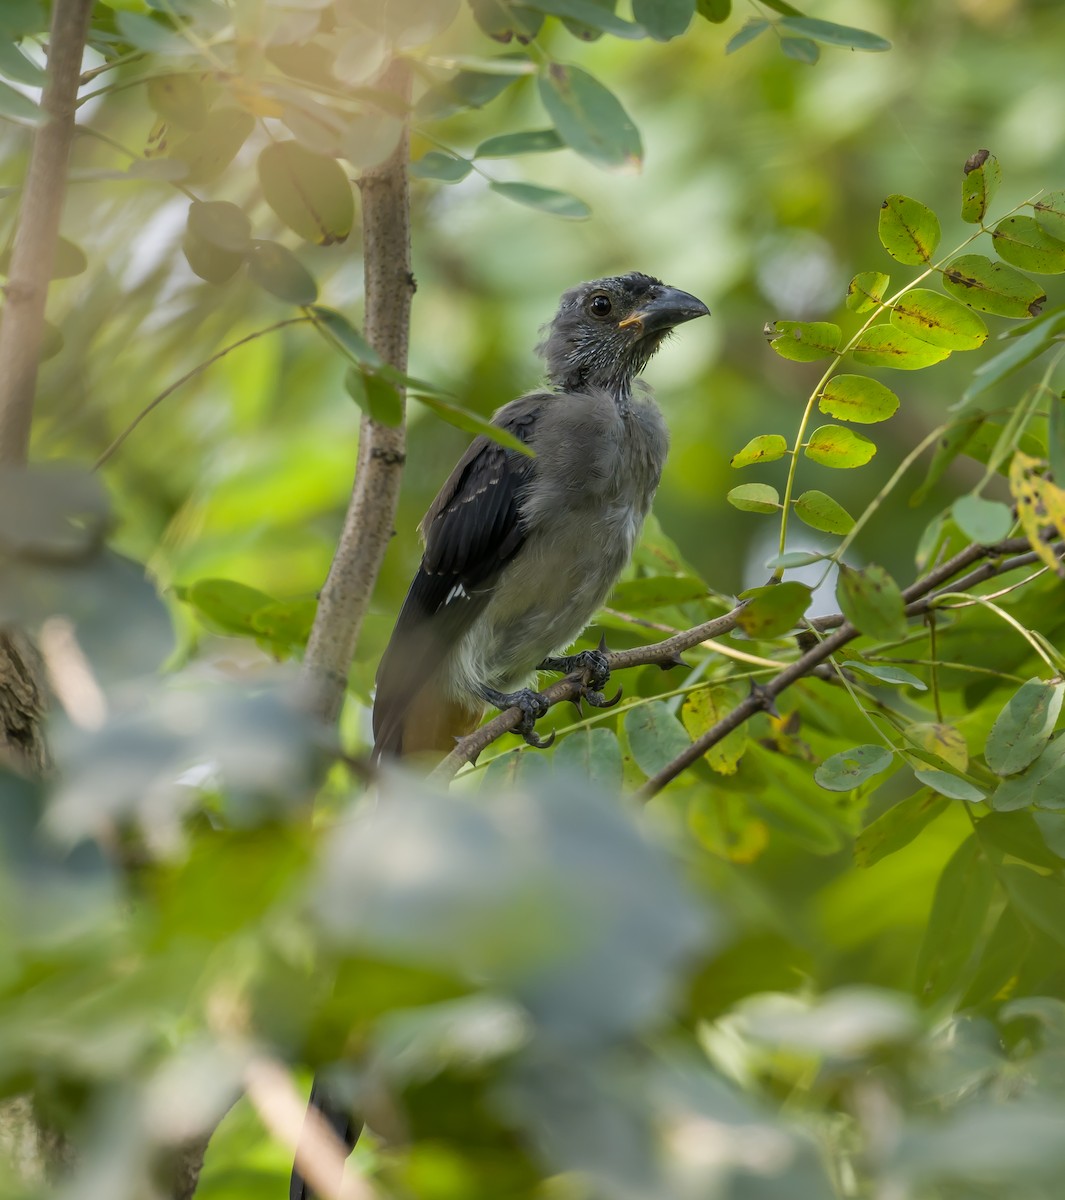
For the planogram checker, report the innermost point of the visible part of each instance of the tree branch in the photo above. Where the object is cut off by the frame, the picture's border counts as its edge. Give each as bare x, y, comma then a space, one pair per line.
918, 596
368, 524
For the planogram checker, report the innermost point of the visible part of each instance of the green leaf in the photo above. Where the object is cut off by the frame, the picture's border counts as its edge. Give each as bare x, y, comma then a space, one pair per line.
800, 49
982, 521
747, 34
938, 320
820, 511
15, 65
1000, 962
717, 11
866, 291
838, 446
179, 99
849, 768
945, 742
767, 447
466, 90
145, 33
795, 558
69, 260
834, 35
982, 175
663, 19
897, 827
856, 398
503, 21
885, 674
340, 333
548, 200
909, 230
655, 736
804, 341
992, 287
773, 609
278, 271
653, 591
308, 191
472, 422
227, 605
870, 599
949, 446
1023, 728
599, 17
285, 622
1023, 242
220, 224
754, 497
594, 754
701, 711
1050, 213
448, 168
208, 261
1020, 351
14, 106
589, 118
1039, 900
887, 346
959, 910
529, 141
208, 151
379, 398
949, 785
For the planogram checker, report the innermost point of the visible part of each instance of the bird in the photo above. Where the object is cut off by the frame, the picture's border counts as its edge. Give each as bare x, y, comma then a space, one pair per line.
520, 551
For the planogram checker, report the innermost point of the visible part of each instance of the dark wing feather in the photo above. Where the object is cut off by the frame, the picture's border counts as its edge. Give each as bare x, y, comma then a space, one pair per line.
472, 530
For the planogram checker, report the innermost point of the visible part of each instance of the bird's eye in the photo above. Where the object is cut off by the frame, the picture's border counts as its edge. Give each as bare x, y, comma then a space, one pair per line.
600, 306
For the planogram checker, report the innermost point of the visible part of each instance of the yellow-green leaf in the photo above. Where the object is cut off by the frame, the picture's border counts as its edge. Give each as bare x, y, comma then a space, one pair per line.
866, 290
1050, 213
838, 446
767, 447
1025, 243
909, 230
856, 398
804, 341
308, 191
945, 741
897, 827
179, 99
982, 175
993, 287
870, 599
821, 512
939, 320
754, 497
701, 711
888, 346
773, 609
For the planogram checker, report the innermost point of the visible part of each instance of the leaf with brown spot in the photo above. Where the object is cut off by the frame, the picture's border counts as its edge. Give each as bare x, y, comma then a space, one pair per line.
938, 320
993, 287
1039, 503
909, 230
982, 175
1023, 242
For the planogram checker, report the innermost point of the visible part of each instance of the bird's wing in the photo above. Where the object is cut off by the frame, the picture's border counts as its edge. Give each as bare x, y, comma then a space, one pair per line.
472, 530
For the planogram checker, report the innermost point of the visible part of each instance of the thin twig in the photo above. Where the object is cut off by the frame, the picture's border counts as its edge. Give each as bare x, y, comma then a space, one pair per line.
196, 370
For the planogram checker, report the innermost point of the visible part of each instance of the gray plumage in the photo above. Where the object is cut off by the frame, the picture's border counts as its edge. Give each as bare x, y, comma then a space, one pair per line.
519, 551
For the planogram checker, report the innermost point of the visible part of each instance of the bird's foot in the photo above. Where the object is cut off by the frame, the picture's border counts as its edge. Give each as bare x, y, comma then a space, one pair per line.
594, 669
533, 706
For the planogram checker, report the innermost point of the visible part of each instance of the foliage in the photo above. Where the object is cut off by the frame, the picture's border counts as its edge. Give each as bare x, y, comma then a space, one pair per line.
826, 959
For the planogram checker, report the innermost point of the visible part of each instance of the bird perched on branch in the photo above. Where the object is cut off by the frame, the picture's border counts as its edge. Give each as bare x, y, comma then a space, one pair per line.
520, 551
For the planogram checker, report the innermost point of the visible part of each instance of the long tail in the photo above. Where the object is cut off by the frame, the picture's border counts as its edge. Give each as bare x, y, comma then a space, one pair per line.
342, 1123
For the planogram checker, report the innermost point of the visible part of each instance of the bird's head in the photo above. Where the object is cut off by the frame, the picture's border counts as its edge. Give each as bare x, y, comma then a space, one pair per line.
605, 331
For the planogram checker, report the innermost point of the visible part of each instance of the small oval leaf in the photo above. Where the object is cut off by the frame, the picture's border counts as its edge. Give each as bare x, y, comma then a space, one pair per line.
867, 290
821, 512
870, 599
834, 35
856, 398
701, 711
888, 346
804, 341
655, 736
982, 175
220, 224
838, 446
447, 168
589, 118
909, 230
754, 497
1023, 242
1022, 729
993, 287
747, 34
982, 521
278, 271
849, 768
939, 320
531, 141
1050, 213
893, 675
308, 191
548, 200
946, 784
767, 447
773, 609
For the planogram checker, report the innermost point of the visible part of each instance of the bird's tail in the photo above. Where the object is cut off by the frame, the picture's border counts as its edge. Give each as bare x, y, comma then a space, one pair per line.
339, 1119
427, 724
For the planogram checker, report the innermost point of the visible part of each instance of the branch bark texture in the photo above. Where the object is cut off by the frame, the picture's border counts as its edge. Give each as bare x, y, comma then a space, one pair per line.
371, 514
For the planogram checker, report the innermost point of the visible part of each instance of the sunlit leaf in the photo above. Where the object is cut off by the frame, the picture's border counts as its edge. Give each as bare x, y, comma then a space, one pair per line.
897, 676
870, 599
754, 497
820, 511
834, 35
993, 287
838, 446
663, 19
938, 320
1022, 729
909, 230
1050, 213
308, 191
278, 271
896, 828
1039, 501
867, 290
887, 346
857, 398
548, 200
804, 341
655, 736
983, 521
701, 711
448, 168
946, 741
767, 447
531, 141
949, 785
774, 609
849, 768
227, 605
982, 175
747, 34
589, 118
1023, 242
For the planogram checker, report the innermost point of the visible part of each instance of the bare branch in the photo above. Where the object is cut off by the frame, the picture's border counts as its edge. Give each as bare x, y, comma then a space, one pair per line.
368, 524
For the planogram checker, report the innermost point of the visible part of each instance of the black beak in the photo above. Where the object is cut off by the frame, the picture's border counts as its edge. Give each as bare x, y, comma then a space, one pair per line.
665, 309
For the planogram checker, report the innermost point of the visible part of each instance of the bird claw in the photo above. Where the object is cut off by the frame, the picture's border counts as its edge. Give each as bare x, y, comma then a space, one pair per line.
533, 706
598, 700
